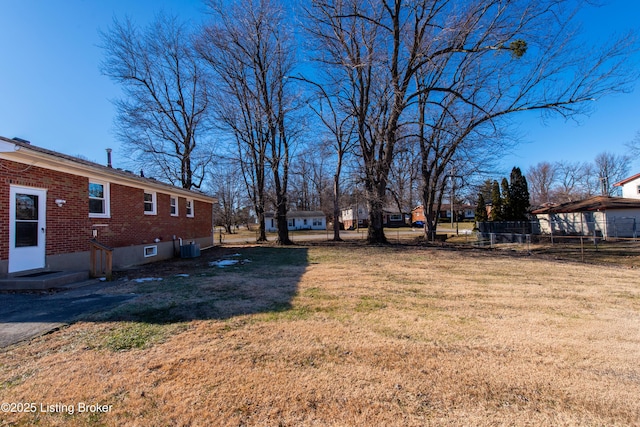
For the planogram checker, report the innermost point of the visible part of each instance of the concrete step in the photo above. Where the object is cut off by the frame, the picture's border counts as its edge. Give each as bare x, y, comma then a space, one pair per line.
45, 280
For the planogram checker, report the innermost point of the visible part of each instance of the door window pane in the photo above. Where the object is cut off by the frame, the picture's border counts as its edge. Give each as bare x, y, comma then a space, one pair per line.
26, 234
26, 207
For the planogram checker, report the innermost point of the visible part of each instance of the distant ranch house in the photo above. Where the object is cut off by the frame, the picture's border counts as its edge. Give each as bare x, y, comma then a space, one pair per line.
298, 220
602, 216
53, 206
393, 218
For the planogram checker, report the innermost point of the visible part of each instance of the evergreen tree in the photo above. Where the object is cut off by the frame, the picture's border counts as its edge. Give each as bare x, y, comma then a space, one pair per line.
507, 209
481, 209
518, 195
485, 189
496, 203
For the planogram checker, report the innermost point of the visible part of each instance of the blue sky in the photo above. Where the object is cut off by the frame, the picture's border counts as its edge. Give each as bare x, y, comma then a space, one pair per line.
52, 92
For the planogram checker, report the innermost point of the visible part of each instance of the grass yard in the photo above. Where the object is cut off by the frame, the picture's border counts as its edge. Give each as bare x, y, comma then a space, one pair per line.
345, 335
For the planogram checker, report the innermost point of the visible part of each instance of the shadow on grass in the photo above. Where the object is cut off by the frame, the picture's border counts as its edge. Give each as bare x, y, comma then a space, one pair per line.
221, 284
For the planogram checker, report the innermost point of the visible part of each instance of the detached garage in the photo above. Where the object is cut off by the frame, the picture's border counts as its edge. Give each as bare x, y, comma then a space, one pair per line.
603, 216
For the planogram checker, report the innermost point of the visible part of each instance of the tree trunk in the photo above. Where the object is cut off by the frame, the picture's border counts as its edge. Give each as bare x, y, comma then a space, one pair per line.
262, 231
281, 212
283, 226
375, 232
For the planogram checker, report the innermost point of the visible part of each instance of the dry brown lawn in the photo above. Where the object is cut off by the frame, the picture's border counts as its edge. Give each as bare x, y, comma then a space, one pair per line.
346, 335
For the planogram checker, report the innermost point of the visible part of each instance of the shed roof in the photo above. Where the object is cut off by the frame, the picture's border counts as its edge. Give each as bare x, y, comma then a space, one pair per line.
597, 203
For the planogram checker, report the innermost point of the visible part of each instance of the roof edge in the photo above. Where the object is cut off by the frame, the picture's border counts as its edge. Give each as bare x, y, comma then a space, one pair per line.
70, 162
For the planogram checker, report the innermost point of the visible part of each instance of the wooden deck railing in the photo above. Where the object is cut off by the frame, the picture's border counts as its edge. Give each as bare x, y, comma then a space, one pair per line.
102, 255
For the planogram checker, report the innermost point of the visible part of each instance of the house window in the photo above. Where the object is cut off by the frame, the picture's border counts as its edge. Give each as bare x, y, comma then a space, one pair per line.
638, 189
98, 199
305, 222
149, 203
173, 201
292, 222
150, 251
317, 221
190, 208
396, 217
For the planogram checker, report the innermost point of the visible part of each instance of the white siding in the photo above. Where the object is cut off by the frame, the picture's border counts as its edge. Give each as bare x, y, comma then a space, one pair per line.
630, 189
612, 223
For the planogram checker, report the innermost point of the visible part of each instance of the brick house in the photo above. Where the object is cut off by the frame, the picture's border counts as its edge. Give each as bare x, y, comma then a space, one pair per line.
52, 205
462, 212
348, 217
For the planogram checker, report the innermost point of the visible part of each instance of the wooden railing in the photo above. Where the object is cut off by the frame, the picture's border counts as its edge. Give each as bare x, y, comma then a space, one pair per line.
102, 255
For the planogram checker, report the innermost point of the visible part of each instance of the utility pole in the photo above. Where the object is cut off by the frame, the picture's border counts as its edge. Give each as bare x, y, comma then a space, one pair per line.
604, 185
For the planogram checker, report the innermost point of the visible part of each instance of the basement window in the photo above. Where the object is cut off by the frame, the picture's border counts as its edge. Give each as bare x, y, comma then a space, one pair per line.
150, 251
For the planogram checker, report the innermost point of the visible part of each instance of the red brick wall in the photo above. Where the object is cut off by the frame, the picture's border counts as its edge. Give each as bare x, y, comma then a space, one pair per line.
129, 225
418, 215
69, 227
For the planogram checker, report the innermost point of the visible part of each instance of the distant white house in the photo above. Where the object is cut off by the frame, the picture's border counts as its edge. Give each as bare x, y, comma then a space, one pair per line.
298, 220
630, 187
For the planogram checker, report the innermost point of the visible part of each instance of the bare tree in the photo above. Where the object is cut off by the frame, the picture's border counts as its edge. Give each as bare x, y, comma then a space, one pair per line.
163, 119
571, 182
340, 127
249, 48
458, 69
492, 75
310, 184
361, 41
611, 168
634, 146
228, 187
404, 176
541, 179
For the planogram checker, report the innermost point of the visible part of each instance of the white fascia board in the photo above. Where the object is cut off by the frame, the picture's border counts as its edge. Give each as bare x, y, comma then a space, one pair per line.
43, 160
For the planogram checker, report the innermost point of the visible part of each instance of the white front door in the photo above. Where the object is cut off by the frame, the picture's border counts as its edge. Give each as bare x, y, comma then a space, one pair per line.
27, 228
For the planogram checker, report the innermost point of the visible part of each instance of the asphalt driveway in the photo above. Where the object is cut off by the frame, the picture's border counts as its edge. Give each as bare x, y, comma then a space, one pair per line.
24, 316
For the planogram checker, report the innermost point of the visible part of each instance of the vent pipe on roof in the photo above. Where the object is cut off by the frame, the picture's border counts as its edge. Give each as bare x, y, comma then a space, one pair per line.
109, 158
24, 141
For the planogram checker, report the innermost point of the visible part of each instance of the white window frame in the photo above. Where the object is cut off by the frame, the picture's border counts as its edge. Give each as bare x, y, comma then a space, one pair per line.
173, 199
106, 198
395, 217
190, 208
317, 221
150, 251
154, 203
